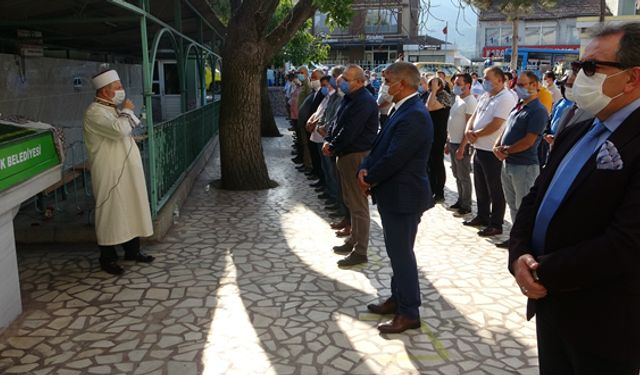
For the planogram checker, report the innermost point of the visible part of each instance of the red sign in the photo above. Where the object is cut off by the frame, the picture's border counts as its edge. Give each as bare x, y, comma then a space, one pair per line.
499, 51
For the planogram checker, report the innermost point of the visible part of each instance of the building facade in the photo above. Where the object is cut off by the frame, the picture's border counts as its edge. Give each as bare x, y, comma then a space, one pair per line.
541, 28
377, 34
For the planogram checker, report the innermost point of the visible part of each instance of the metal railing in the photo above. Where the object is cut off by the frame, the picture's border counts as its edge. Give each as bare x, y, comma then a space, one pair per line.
178, 144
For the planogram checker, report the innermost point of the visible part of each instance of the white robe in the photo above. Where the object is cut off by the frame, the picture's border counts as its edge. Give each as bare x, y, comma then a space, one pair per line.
117, 176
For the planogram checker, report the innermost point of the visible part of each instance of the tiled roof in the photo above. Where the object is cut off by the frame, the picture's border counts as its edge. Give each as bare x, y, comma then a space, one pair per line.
563, 9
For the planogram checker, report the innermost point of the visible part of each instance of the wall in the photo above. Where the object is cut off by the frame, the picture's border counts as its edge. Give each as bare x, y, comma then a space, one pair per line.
41, 89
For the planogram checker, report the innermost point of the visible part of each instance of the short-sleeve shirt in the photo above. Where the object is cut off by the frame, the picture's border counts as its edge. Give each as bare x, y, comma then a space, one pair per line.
531, 118
499, 105
458, 117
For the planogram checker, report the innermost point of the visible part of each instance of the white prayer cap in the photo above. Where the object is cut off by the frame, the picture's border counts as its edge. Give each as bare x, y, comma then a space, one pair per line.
105, 78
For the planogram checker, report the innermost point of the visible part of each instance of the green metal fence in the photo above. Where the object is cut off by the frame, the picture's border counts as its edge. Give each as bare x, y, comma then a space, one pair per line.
178, 144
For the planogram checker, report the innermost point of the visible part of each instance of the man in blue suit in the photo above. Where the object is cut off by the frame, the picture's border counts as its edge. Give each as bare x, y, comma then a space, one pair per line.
395, 174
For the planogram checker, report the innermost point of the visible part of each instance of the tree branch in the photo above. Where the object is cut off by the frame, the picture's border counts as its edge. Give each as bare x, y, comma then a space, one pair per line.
217, 24
282, 33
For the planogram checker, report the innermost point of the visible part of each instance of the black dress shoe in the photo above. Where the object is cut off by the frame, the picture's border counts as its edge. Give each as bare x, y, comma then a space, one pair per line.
111, 266
352, 259
399, 324
316, 184
454, 206
462, 212
490, 231
475, 222
324, 196
297, 160
343, 249
139, 257
503, 244
387, 307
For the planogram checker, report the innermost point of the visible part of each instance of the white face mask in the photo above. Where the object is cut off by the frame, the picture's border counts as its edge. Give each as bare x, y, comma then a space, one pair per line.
384, 93
119, 97
568, 93
315, 85
587, 92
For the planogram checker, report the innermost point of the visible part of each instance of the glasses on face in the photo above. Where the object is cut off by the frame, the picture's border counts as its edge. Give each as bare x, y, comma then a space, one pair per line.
589, 66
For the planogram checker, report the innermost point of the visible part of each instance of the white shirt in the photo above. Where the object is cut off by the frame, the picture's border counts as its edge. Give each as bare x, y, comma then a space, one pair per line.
458, 117
400, 103
490, 107
315, 136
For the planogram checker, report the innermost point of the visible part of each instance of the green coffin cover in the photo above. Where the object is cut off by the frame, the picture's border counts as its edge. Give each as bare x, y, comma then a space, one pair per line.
24, 153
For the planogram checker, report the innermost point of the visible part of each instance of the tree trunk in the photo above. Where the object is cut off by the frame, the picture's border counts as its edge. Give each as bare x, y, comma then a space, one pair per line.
241, 158
268, 127
514, 44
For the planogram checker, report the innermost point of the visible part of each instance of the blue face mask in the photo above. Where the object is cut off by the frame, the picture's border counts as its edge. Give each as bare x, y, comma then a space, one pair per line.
420, 90
344, 86
324, 90
457, 90
333, 83
301, 77
523, 93
487, 86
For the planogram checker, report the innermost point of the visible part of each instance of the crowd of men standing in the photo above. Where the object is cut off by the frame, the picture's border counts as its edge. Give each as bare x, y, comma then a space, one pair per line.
546, 152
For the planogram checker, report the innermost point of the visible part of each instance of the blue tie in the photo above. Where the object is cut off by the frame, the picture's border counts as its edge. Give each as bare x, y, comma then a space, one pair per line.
562, 180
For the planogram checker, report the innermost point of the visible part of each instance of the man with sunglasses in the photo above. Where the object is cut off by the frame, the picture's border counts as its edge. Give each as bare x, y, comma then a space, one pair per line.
575, 244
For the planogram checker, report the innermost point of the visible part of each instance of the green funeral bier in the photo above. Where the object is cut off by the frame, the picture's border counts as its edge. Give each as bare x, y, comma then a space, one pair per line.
24, 153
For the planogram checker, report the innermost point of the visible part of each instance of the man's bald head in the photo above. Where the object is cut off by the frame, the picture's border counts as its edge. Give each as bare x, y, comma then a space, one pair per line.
354, 76
356, 72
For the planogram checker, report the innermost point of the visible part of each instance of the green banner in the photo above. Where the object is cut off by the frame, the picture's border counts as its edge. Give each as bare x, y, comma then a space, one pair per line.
24, 158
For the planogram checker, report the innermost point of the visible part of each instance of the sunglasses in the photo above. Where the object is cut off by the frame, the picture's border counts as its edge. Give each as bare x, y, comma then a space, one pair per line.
589, 66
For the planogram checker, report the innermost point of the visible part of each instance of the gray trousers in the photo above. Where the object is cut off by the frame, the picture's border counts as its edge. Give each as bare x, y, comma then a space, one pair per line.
462, 172
356, 202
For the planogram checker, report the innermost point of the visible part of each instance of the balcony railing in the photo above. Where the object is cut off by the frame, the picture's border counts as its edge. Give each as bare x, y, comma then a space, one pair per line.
178, 144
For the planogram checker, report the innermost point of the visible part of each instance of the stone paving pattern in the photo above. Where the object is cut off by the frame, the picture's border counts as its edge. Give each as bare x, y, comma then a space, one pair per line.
246, 283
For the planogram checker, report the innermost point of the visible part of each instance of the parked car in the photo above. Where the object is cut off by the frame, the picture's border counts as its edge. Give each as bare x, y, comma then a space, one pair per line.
378, 69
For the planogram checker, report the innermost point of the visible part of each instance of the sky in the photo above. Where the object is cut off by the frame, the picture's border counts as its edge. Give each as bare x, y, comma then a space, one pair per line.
465, 36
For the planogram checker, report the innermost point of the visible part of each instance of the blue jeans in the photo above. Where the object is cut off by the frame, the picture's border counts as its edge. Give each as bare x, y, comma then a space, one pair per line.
328, 166
517, 180
462, 172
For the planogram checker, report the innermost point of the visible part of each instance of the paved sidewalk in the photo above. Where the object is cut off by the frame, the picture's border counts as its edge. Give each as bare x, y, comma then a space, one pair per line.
246, 283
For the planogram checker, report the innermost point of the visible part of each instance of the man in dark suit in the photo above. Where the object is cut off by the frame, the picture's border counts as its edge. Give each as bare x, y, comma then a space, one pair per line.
575, 243
395, 175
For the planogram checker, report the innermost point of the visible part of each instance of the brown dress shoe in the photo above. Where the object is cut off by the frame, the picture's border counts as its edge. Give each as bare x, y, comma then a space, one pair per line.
338, 224
344, 232
387, 307
399, 324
